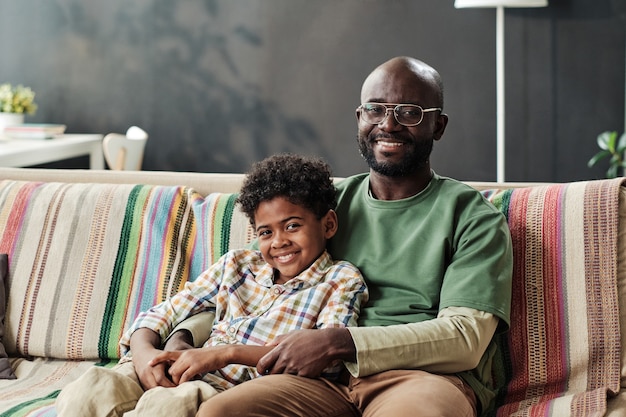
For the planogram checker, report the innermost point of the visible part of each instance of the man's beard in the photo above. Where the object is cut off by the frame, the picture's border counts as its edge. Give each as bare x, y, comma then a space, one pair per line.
415, 158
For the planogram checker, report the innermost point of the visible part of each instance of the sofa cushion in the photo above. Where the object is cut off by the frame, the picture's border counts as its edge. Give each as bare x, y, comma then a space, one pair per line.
85, 259
6, 372
565, 323
38, 383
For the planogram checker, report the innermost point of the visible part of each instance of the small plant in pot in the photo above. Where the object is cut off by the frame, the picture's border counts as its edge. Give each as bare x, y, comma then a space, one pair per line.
613, 147
17, 99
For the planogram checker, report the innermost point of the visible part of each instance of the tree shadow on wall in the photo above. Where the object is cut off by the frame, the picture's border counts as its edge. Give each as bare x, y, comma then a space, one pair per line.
207, 111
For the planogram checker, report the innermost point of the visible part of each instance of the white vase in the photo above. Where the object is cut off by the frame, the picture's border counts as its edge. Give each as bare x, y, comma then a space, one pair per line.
10, 119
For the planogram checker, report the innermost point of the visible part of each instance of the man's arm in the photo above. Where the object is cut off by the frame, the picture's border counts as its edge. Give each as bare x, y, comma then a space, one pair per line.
452, 342
455, 341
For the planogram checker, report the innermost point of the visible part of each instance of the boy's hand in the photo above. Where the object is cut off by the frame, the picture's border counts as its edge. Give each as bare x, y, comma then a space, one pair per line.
189, 364
186, 365
151, 376
143, 345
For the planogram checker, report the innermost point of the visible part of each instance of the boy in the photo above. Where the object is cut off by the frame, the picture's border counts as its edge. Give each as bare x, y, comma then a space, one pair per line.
289, 283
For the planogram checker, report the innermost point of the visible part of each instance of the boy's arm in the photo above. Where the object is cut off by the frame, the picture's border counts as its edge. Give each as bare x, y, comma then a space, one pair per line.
186, 365
145, 343
195, 298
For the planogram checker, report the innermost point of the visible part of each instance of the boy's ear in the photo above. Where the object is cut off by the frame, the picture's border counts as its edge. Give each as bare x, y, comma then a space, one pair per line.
330, 224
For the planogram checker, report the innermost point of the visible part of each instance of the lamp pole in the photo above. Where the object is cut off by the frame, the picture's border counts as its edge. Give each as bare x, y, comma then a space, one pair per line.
500, 123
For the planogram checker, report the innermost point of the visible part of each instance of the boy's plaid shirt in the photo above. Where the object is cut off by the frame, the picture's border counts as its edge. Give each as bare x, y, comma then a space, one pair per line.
250, 309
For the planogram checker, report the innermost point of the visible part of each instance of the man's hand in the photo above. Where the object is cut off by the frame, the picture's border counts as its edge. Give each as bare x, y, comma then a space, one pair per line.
308, 352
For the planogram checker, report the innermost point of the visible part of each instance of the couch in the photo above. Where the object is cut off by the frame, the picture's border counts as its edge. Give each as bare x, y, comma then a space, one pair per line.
87, 250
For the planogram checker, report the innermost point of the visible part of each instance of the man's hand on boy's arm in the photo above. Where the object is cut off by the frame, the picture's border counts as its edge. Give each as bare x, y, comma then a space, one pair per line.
186, 365
308, 352
144, 345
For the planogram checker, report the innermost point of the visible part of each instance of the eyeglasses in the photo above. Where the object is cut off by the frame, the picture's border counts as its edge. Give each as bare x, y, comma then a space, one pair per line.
405, 114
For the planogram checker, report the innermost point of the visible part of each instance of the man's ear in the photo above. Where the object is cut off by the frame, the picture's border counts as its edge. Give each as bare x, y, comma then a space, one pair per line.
330, 224
440, 127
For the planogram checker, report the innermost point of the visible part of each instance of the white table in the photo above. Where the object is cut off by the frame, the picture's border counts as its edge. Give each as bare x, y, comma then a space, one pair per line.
27, 152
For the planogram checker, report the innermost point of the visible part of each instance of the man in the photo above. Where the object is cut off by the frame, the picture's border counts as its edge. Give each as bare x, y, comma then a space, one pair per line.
437, 260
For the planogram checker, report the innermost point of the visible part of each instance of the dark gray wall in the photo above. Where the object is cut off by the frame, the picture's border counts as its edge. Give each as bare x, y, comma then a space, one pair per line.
219, 84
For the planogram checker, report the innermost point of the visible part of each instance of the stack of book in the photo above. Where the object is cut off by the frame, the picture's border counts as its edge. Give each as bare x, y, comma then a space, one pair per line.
34, 131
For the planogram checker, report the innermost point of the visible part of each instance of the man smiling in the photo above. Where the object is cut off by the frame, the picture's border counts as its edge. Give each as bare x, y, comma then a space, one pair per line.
437, 259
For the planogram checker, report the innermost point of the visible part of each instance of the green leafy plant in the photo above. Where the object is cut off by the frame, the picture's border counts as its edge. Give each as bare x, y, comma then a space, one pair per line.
18, 99
613, 147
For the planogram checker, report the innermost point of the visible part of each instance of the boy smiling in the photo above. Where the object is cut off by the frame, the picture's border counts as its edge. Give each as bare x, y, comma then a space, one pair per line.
290, 283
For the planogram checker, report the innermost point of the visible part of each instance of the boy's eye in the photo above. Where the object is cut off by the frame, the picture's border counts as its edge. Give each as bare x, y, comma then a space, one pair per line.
292, 226
263, 233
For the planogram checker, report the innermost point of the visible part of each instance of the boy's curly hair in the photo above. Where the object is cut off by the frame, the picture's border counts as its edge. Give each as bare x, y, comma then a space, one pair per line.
305, 181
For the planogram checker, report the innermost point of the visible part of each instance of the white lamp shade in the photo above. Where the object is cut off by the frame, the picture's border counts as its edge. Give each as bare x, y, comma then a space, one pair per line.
459, 4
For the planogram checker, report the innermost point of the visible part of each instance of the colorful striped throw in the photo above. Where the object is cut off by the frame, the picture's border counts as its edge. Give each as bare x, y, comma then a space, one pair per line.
85, 259
562, 354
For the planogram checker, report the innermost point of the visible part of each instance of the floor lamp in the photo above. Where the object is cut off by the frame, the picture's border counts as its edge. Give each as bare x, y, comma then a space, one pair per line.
500, 5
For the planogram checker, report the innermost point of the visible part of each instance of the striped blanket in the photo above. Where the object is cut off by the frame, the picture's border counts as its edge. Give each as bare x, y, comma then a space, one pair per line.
84, 260
563, 352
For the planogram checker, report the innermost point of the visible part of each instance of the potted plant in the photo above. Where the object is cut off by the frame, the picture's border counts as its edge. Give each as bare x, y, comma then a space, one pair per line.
610, 146
15, 101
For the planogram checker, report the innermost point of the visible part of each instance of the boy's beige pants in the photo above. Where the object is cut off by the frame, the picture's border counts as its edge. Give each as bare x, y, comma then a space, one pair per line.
116, 392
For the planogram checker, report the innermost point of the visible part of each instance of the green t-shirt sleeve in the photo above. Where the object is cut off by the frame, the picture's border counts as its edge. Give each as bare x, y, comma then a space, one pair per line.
479, 273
